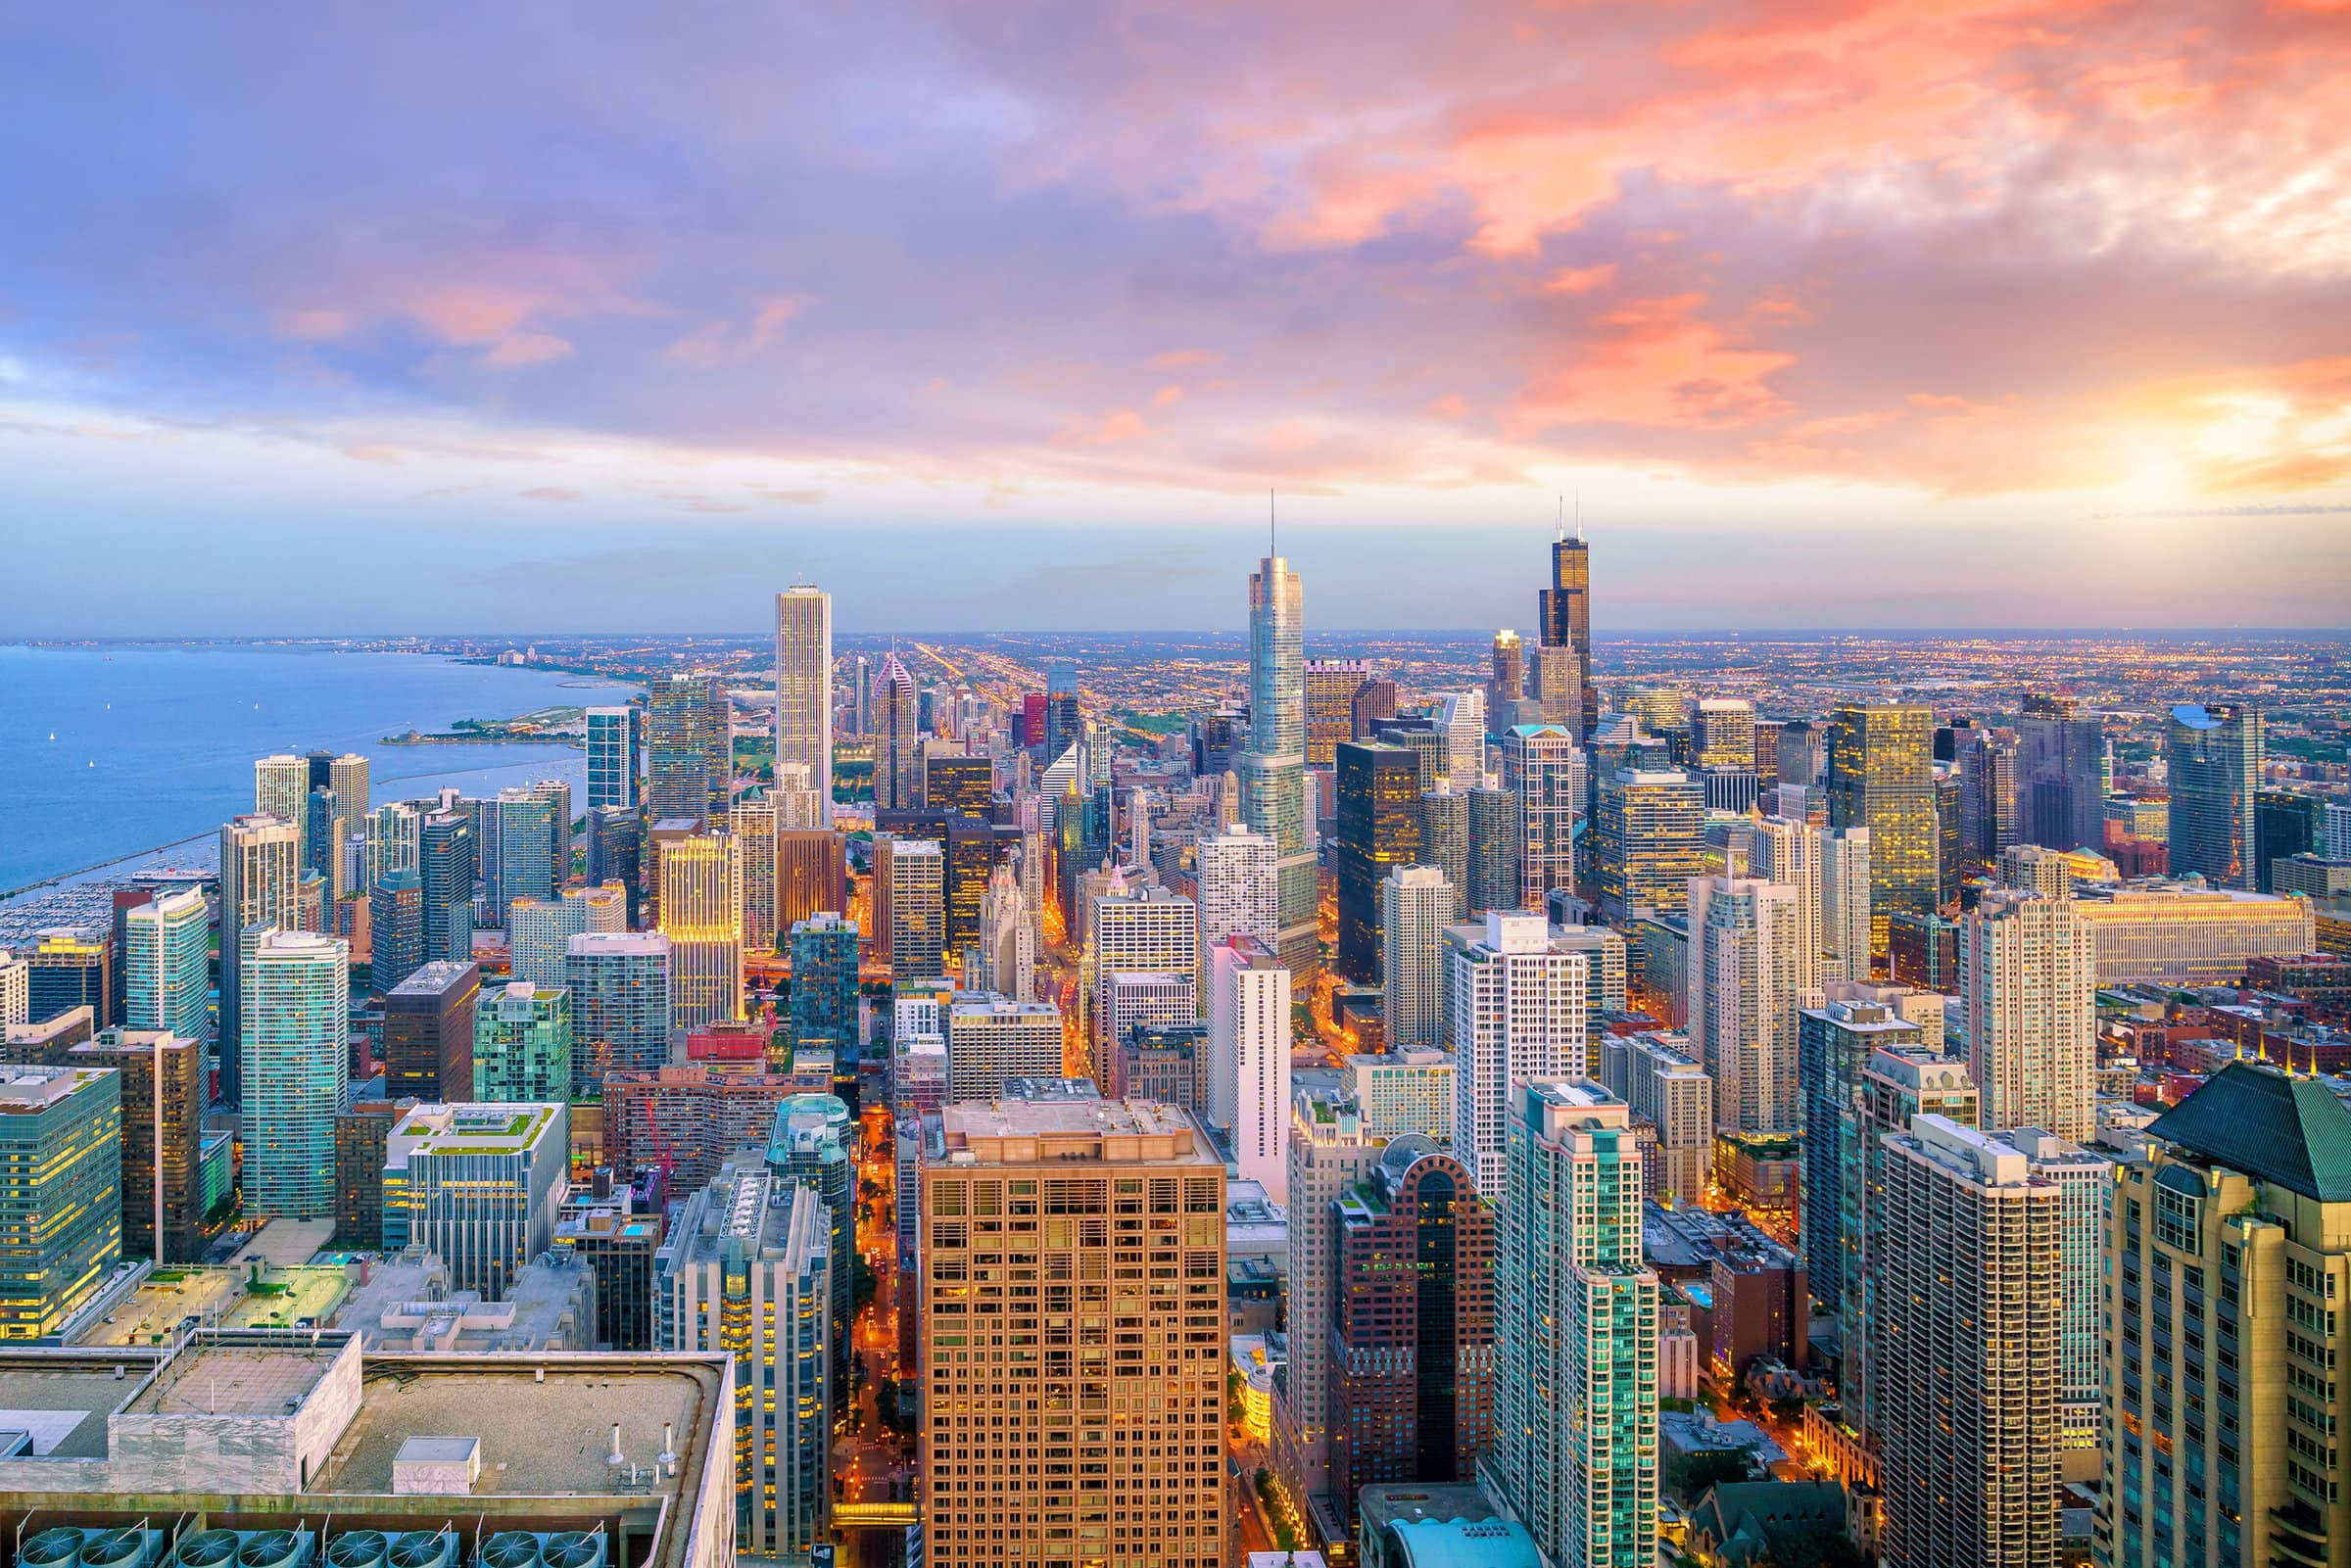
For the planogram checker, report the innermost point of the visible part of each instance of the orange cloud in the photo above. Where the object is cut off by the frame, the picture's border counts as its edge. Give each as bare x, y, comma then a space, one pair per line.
1168, 397
1656, 362
1580, 279
1184, 359
1123, 424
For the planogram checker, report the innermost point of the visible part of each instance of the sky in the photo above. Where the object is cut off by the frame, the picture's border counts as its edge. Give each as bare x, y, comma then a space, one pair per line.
1010, 314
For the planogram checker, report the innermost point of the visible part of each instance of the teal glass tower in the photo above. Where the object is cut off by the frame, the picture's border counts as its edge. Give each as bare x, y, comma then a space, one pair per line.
165, 962
297, 1069
523, 1043
1273, 771
814, 1145
2213, 756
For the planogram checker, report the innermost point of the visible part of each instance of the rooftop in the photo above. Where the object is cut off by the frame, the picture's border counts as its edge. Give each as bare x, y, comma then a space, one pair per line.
1023, 1132
2291, 1131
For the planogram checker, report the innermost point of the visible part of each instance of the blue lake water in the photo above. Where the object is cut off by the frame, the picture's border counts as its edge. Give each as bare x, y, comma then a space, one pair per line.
155, 745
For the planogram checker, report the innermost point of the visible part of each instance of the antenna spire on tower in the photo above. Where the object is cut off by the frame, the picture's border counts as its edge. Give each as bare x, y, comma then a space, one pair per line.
1271, 548
1562, 534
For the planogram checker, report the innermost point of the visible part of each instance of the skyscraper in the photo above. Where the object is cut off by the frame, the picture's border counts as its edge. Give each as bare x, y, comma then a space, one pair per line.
60, 1130
811, 873
1063, 718
1238, 886
477, 1186
295, 1073
1249, 1056
1154, 1489
1132, 931
1564, 613
2028, 976
1329, 1151
689, 748
1273, 771
748, 1270
523, 1043
1543, 769
1412, 1324
1445, 842
804, 690
1007, 937
2228, 1251
1649, 837
446, 852
1330, 688
166, 966
1575, 1450
611, 758
915, 879
1417, 905
1516, 1013
428, 1033
620, 1011
281, 789
1788, 852
2213, 757
701, 913
824, 984
2060, 796
1881, 777
1378, 831
811, 1145
1744, 992
754, 825
1966, 1339
1506, 677
1844, 918
539, 930
261, 860
1491, 854
1835, 1040
161, 1175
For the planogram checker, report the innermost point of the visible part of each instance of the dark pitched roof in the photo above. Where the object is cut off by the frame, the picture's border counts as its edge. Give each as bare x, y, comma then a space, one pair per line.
2291, 1131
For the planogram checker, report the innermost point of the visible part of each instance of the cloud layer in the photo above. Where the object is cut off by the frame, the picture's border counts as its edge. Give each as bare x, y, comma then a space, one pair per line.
1945, 248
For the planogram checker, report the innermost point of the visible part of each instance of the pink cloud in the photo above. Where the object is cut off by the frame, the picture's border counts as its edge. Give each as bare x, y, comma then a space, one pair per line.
1120, 425
526, 349
1580, 279
317, 325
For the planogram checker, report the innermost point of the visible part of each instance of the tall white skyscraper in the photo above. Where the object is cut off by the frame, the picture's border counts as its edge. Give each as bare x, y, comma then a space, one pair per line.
1134, 931
1575, 1329
395, 839
1516, 1007
167, 959
2087, 1180
1543, 770
1788, 852
1249, 1056
16, 989
1007, 938
1461, 728
539, 930
804, 687
1416, 905
1742, 999
261, 875
1272, 770
1843, 857
1237, 886
2028, 980
753, 824
281, 787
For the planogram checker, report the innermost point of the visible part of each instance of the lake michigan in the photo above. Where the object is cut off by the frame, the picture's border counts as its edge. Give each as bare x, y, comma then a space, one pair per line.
109, 753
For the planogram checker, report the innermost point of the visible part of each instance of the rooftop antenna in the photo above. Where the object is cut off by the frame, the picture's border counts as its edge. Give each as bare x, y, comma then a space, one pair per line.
1271, 548
1562, 535
1579, 515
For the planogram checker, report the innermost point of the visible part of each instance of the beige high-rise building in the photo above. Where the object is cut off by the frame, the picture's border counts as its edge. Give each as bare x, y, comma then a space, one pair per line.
1417, 904
805, 692
1745, 955
753, 824
701, 913
1967, 1337
2027, 979
2228, 1333
1074, 1341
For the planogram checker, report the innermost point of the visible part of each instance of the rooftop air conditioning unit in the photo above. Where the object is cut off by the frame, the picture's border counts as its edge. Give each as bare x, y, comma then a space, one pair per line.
276, 1548
559, 1548
359, 1549
425, 1549
79, 1546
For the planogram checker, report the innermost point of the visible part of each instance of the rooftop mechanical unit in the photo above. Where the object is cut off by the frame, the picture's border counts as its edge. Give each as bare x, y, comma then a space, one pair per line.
408, 1549
534, 1549
113, 1546
247, 1548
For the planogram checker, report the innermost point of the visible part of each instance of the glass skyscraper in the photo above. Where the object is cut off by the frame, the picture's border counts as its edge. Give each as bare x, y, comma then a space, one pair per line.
1881, 777
1273, 771
2213, 757
804, 688
167, 958
297, 1071
61, 1204
611, 757
823, 985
